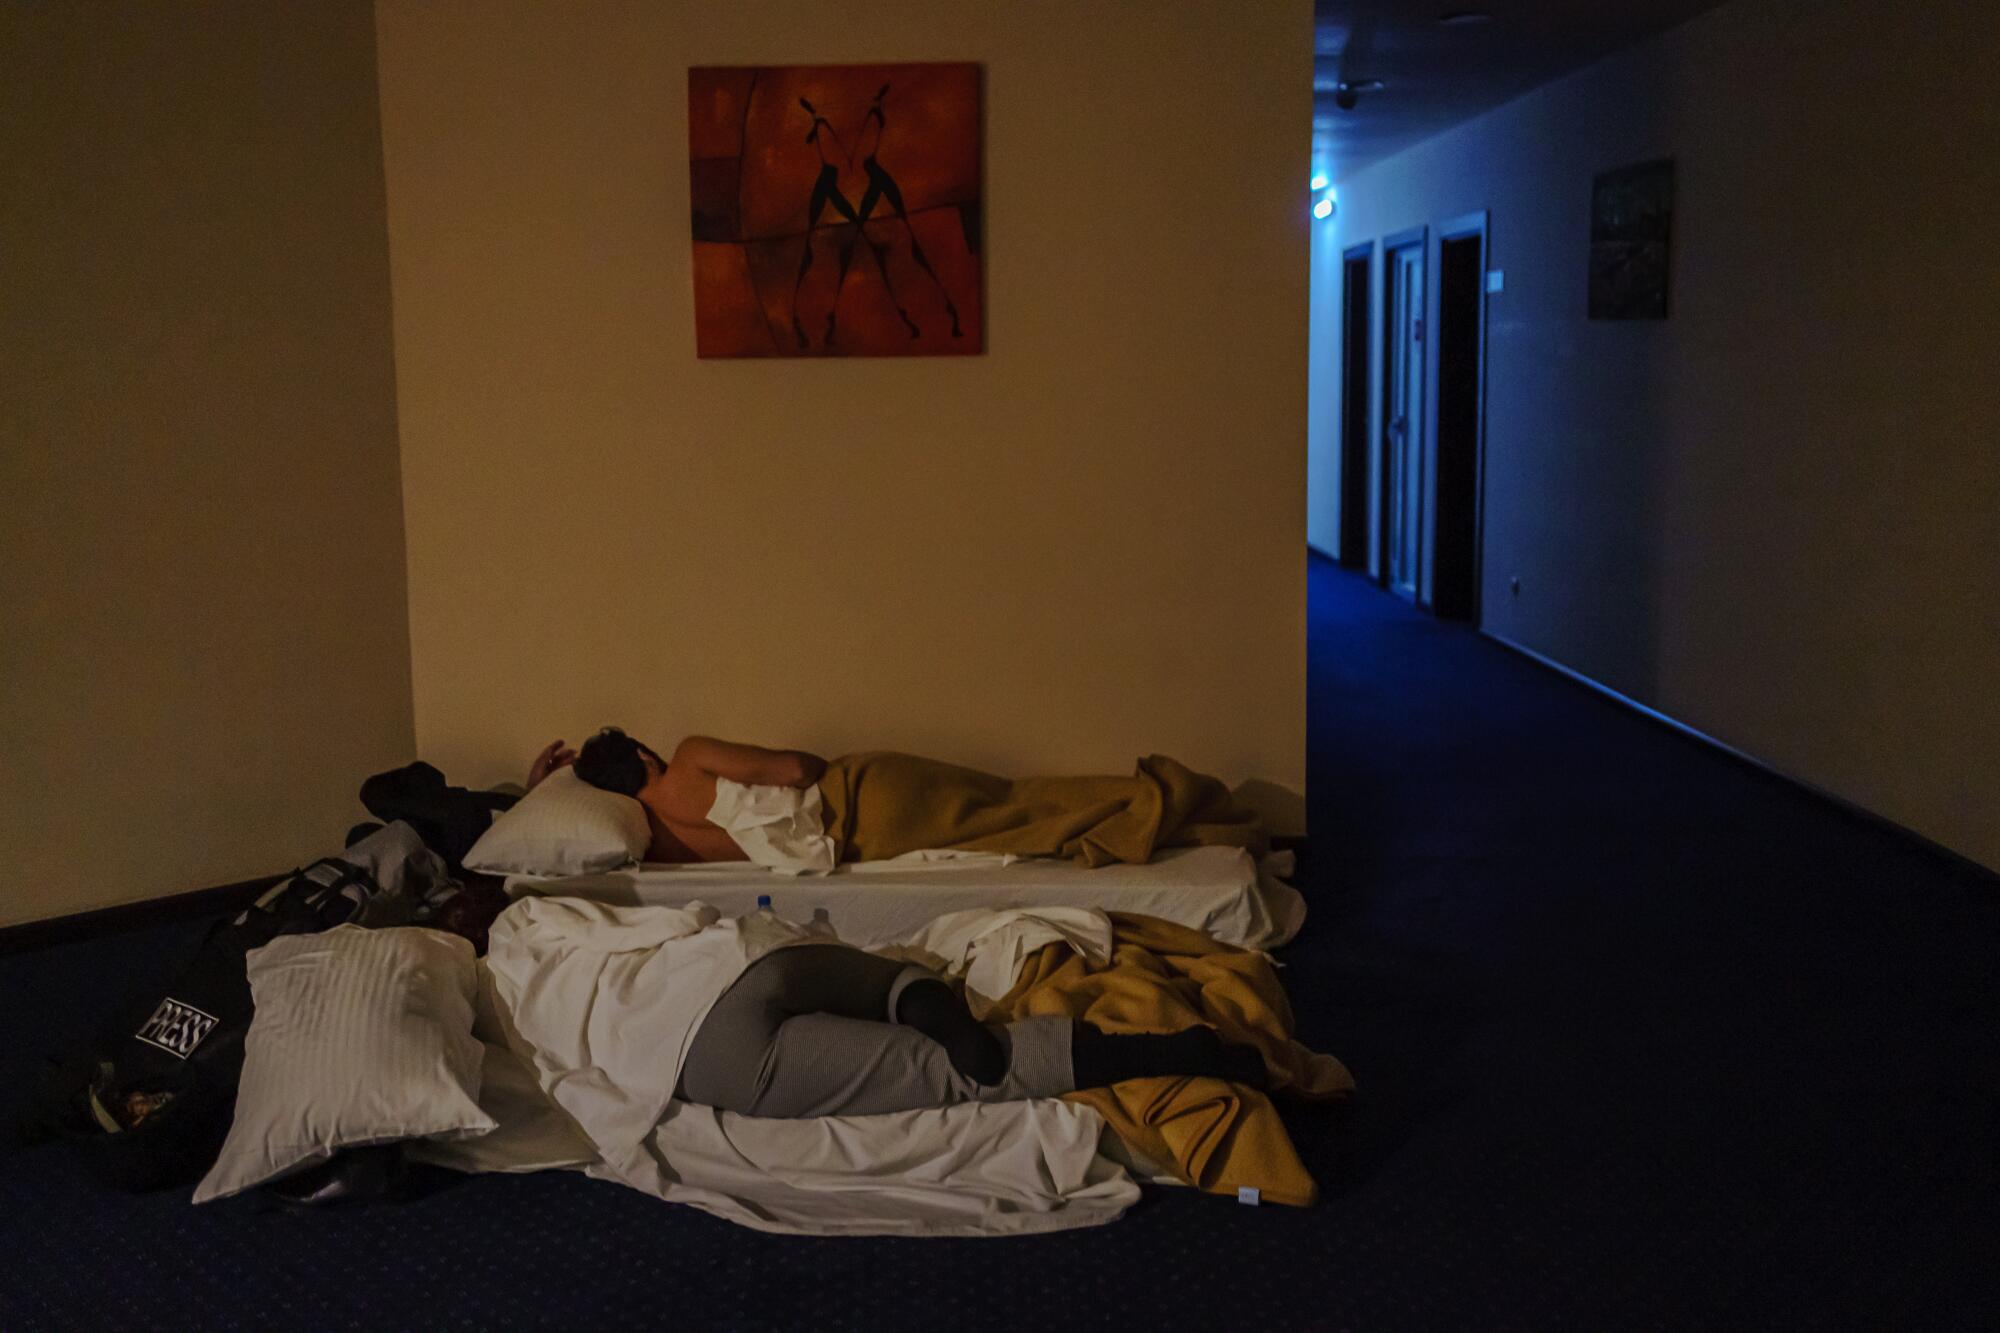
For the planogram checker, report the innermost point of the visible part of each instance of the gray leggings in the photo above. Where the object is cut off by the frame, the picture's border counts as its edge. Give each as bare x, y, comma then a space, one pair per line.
807, 1030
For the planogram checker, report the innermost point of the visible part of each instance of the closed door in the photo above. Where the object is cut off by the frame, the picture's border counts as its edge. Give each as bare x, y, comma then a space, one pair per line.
1453, 556
1403, 422
1356, 324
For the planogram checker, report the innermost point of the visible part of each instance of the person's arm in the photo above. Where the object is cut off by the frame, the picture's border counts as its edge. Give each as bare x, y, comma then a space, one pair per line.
554, 755
751, 765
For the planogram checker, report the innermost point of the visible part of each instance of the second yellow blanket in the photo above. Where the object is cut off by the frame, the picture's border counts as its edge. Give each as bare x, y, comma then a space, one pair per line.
884, 804
1161, 978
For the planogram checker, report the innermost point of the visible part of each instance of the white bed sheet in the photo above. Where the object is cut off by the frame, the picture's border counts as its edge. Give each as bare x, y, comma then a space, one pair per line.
1221, 890
1003, 1169
970, 1170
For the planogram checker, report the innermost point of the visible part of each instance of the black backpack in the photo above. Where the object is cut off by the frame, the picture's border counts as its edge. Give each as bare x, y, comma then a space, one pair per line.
152, 1104
448, 819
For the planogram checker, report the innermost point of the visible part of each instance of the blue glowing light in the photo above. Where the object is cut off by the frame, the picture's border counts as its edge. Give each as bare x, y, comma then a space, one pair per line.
1323, 209
1319, 181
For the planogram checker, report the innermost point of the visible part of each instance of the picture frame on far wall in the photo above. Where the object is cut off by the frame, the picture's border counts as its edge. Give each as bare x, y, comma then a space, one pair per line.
1631, 220
837, 210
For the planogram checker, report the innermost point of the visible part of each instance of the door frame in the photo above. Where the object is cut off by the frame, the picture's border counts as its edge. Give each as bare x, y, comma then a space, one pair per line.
1355, 409
1419, 238
1463, 227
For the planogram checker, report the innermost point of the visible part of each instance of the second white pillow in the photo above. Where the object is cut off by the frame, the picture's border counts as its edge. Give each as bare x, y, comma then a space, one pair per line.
564, 826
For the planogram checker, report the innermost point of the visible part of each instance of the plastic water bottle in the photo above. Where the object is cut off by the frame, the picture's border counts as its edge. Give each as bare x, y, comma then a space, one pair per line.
762, 930
822, 925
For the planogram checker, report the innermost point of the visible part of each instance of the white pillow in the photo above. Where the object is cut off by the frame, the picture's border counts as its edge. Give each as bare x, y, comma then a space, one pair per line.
564, 826
359, 1036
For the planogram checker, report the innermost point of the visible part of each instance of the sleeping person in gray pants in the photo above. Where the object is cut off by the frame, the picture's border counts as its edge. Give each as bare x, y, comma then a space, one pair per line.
826, 1029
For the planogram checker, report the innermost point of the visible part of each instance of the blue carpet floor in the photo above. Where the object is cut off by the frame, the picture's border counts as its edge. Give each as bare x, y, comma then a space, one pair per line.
1644, 1039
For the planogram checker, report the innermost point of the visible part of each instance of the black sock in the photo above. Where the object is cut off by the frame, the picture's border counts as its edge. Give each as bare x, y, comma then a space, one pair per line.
934, 1009
1098, 1059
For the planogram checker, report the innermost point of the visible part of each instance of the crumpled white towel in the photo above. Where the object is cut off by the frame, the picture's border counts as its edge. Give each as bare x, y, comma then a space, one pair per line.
990, 946
777, 827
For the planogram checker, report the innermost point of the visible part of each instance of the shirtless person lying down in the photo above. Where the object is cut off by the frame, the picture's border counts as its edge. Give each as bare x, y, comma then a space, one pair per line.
882, 804
679, 793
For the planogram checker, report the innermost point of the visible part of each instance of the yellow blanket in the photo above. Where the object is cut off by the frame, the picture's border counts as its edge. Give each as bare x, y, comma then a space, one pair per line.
1162, 978
884, 804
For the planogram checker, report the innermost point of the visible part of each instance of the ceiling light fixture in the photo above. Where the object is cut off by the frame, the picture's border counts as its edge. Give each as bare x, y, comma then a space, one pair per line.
1347, 94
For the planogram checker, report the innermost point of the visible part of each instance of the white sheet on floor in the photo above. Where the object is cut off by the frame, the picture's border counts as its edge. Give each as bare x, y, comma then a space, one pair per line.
1221, 890
973, 1170
583, 994
534, 1134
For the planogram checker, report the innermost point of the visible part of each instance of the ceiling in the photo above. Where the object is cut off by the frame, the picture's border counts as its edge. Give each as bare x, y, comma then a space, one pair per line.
1435, 75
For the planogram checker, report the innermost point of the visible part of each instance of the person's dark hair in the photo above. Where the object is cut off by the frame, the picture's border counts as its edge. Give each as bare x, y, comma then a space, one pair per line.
610, 760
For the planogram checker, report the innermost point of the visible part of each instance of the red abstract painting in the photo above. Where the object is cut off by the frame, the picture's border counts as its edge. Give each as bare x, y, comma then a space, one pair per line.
836, 210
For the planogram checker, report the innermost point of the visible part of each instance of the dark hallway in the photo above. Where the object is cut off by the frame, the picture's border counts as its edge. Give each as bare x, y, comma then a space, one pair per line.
1644, 1038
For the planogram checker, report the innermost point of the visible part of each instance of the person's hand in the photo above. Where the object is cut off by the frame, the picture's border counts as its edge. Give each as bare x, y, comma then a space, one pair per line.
554, 755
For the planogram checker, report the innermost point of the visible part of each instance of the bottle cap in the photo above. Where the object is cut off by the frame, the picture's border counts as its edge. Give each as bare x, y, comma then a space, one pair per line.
763, 901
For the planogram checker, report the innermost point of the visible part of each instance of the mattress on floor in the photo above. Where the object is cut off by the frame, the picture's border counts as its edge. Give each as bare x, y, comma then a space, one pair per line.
1221, 890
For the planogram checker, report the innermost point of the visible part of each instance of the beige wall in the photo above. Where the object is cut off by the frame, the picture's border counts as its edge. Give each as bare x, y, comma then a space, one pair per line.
202, 617
1084, 545
1772, 515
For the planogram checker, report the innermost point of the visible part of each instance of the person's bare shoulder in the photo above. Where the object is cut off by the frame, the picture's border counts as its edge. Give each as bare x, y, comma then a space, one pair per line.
752, 765
694, 750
